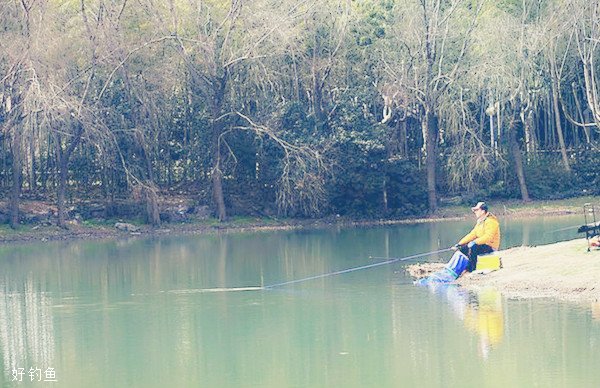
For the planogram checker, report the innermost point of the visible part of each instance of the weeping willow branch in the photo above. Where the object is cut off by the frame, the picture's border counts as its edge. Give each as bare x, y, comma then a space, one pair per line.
302, 179
470, 160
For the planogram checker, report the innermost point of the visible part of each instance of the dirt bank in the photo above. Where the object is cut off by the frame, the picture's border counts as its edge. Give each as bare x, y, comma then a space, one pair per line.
564, 271
107, 231
40, 223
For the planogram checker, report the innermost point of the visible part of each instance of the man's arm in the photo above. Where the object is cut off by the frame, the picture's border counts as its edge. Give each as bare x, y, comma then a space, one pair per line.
468, 238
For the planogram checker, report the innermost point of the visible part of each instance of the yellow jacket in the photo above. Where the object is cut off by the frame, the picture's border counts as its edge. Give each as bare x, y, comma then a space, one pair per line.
486, 231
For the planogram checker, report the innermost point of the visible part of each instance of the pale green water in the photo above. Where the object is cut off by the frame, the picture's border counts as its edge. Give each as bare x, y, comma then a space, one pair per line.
128, 314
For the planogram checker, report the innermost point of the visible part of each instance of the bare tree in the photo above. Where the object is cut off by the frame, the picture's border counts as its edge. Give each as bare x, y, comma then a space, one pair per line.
587, 37
507, 71
218, 43
554, 29
437, 35
517, 157
16, 86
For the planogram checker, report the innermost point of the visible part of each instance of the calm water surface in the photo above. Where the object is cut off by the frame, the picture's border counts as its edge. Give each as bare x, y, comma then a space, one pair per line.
132, 313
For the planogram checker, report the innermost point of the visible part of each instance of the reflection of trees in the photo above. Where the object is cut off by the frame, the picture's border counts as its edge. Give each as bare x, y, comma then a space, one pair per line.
526, 233
26, 328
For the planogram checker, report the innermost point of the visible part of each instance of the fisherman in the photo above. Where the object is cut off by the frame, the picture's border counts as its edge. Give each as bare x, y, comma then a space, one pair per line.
484, 238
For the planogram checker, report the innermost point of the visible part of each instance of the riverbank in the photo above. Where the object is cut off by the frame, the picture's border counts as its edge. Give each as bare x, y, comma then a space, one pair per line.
105, 229
562, 271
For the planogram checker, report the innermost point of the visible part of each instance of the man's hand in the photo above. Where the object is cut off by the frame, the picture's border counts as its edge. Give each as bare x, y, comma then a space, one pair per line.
455, 247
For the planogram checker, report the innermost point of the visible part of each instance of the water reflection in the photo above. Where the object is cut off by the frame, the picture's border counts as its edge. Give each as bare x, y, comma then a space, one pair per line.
596, 311
26, 326
115, 322
480, 311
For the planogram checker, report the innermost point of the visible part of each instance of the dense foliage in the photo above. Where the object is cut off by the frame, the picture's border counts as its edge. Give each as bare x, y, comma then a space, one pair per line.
370, 108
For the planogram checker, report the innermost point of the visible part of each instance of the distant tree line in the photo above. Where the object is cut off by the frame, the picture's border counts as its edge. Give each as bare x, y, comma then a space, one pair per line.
371, 108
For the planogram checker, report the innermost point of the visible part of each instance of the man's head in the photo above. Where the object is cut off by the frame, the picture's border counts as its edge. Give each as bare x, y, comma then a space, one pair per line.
480, 209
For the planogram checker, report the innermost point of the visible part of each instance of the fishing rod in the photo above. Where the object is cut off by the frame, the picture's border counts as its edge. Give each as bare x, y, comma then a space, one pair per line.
562, 229
586, 226
385, 262
389, 260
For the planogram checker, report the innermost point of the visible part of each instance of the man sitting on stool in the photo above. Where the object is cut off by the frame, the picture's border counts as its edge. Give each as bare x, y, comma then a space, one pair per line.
484, 238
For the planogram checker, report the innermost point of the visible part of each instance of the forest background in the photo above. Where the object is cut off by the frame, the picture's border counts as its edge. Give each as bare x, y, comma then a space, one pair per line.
365, 109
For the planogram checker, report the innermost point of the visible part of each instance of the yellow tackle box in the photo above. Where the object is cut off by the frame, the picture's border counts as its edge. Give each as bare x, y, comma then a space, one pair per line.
488, 262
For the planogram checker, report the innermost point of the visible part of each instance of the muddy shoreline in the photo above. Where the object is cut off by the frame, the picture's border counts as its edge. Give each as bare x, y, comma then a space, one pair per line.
83, 232
106, 230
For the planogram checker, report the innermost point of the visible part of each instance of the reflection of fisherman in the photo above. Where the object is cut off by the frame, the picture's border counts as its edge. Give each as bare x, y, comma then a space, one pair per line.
484, 238
596, 311
487, 320
481, 312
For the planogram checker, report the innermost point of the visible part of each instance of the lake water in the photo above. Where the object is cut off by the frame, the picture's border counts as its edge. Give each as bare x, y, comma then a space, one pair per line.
134, 313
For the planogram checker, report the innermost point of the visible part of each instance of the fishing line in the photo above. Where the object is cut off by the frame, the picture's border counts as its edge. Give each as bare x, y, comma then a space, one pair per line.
562, 229
282, 284
388, 261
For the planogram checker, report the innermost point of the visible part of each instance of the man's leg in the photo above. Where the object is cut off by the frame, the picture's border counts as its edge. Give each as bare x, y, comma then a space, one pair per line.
458, 263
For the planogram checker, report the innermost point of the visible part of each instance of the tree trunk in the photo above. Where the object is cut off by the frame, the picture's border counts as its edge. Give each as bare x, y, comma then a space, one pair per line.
217, 130
148, 161
492, 133
62, 188
516, 154
525, 115
402, 133
149, 188
152, 206
296, 77
63, 164
3, 180
317, 100
32, 171
109, 189
430, 127
47, 165
16, 178
218, 197
559, 130
582, 118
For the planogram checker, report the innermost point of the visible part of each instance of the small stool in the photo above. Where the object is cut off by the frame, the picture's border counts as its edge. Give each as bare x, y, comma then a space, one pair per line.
490, 262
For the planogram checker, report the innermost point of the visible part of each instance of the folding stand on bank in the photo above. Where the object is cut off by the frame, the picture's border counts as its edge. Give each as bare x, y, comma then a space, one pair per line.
592, 226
